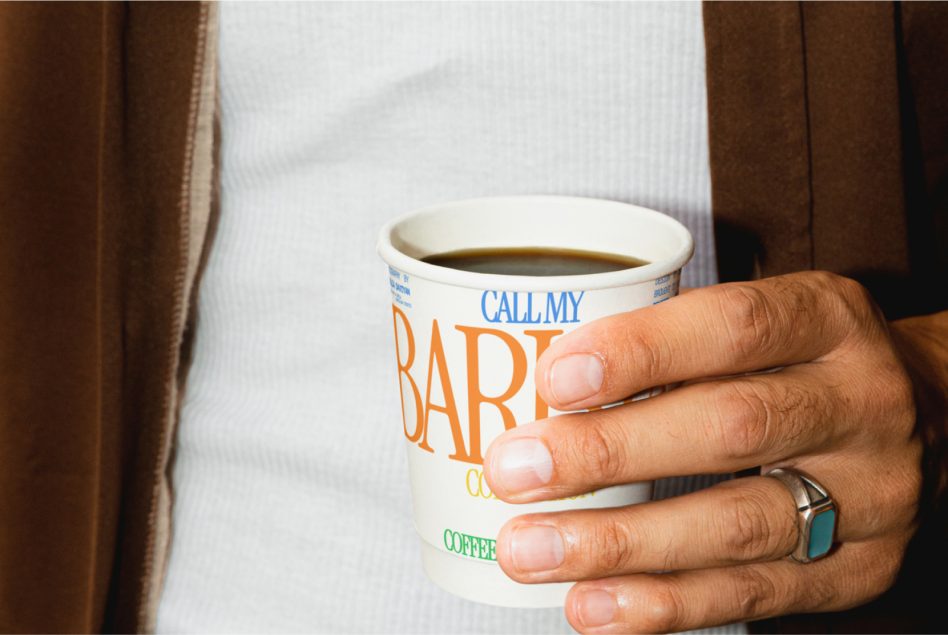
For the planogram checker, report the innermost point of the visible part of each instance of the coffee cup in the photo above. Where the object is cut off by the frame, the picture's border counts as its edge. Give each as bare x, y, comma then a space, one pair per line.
466, 345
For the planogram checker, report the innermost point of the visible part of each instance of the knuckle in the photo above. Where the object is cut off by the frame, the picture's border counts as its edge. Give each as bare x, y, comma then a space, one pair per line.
597, 453
853, 291
755, 591
649, 353
887, 397
889, 569
665, 610
900, 497
824, 280
615, 547
909, 489
901, 400
855, 303
747, 319
802, 411
746, 527
816, 594
885, 576
881, 565
742, 420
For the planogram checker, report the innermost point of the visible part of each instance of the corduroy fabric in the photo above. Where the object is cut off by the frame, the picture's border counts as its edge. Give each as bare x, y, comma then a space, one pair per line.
817, 144
61, 433
95, 101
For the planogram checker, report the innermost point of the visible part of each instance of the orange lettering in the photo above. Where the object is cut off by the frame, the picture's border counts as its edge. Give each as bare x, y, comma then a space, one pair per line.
403, 372
474, 396
449, 408
543, 339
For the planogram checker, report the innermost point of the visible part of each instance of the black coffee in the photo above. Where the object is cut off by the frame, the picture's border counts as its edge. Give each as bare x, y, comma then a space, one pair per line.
533, 261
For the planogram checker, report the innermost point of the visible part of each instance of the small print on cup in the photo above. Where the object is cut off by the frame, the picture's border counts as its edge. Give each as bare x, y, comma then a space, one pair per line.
467, 343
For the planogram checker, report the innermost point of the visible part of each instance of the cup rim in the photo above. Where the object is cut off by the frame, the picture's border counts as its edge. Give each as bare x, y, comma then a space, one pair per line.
474, 280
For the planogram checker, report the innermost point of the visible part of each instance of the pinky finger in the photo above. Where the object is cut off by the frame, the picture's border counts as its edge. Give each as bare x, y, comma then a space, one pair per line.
855, 573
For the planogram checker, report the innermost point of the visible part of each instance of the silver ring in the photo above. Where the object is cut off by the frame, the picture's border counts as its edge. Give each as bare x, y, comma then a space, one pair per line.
816, 514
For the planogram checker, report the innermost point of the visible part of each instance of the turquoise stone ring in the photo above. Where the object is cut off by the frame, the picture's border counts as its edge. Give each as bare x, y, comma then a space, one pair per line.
816, 514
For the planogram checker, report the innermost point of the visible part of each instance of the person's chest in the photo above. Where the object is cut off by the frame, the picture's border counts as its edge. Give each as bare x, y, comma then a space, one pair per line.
335, 118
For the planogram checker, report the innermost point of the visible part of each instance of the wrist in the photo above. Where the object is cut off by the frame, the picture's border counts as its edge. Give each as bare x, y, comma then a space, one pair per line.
922, 345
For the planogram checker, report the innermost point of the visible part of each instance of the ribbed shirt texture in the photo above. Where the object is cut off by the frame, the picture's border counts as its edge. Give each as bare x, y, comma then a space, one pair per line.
291, 503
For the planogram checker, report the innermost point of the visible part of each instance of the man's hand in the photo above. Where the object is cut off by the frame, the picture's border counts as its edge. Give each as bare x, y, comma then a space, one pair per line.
840, 408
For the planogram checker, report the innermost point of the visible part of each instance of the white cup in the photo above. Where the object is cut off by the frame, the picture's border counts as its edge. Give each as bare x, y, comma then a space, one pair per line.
467, 345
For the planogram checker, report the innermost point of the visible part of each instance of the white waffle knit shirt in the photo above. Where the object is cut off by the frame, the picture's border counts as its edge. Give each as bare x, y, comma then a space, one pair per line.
291, 507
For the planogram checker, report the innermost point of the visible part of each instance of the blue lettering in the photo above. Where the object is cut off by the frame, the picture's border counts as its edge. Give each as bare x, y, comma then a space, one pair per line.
496, 317
574, 301
511, 308
504, 308
555, 307
527, 317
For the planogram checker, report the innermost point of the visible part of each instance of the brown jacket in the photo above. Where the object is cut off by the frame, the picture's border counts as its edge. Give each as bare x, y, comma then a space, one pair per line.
829, 150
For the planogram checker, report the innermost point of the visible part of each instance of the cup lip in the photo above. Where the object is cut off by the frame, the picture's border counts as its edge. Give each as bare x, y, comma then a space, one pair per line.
473, 280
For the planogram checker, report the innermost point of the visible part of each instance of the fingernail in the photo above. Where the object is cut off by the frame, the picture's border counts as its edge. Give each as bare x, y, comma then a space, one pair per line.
521, 464
595, 607
536, 548
575, 377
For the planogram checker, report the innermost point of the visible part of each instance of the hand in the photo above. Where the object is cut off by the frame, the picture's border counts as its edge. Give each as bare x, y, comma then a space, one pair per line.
840, 409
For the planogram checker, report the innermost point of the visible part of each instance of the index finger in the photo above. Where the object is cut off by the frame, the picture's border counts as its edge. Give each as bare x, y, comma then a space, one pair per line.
713, 331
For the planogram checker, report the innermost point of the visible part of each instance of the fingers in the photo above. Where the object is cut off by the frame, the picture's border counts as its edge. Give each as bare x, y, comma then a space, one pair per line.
737, 521
721, 330
666, 603
734, 522
713, 427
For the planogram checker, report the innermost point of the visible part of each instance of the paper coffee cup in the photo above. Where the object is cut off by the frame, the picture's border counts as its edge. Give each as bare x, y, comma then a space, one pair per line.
467, 344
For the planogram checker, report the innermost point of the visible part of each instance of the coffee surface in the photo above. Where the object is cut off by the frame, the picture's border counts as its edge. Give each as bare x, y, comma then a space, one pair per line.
533, 261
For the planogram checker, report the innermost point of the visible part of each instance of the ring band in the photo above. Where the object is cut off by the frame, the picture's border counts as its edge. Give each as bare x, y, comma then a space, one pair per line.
816, 514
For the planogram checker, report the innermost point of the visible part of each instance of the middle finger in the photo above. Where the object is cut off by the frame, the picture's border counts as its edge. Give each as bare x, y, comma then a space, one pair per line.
714, 427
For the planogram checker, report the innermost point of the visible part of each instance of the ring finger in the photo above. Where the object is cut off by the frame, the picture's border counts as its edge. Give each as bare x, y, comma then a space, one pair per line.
739, 521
